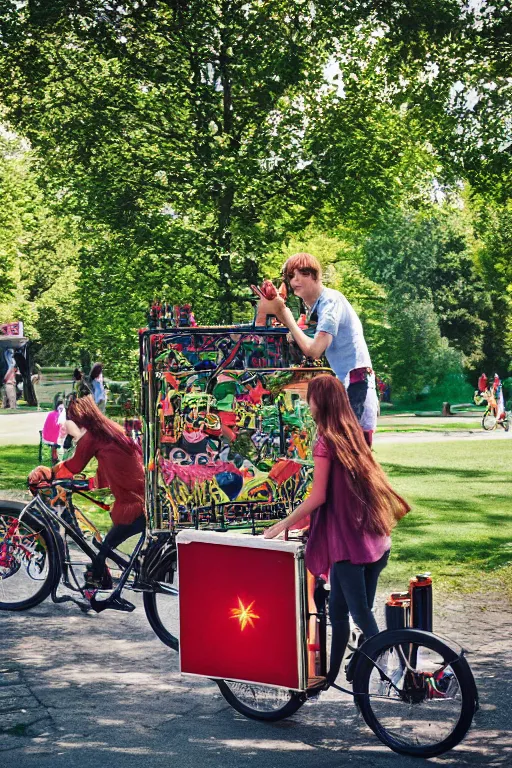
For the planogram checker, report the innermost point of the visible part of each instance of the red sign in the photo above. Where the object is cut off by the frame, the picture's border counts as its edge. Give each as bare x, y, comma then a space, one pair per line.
12, 329
240, 609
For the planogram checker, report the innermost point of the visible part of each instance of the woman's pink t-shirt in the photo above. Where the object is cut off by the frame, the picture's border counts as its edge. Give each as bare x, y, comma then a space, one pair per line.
333, 533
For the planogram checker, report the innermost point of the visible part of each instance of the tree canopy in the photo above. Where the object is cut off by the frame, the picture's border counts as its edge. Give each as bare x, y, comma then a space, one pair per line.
176, 145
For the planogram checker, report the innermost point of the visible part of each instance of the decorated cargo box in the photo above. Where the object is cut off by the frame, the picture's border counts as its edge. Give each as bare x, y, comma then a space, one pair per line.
242, 608
228, 433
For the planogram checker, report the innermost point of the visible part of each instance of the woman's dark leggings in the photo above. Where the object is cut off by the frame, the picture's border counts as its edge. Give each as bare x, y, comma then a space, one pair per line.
353, 589
116, 535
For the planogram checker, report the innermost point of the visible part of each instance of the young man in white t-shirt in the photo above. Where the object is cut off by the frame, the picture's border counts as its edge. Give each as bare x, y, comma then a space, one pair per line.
339, 333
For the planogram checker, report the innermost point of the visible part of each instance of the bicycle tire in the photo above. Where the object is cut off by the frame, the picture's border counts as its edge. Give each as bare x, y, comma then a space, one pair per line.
489, 422
456, 671
274, 703
12, 510
162, 609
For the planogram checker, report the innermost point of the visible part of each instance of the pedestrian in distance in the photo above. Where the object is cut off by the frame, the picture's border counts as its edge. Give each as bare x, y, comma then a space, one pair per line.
54, 428
98, 387
81, 386
9, 379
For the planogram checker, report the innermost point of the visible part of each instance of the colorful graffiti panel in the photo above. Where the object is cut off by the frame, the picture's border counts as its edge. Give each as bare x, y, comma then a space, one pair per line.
229, 433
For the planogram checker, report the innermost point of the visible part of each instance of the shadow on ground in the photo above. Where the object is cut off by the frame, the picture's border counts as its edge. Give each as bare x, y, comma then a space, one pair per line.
91, 690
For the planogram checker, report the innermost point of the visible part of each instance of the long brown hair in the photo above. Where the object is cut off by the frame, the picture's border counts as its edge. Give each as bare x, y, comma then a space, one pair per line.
85, 413
381, 507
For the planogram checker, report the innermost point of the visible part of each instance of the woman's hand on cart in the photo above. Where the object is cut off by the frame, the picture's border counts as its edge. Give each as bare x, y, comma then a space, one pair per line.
275, 530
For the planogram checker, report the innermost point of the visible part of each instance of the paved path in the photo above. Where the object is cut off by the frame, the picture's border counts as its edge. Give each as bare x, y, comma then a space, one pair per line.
21, 428
383, 438
85, 691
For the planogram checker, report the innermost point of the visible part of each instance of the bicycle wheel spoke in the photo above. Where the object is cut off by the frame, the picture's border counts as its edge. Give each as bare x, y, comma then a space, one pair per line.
423, 705
262, 698
260, 702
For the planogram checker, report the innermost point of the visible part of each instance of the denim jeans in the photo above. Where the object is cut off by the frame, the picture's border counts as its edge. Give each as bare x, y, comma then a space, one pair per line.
353, 589
357, 395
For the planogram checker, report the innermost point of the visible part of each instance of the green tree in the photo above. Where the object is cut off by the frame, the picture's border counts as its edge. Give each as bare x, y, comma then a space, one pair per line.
190, 138
39, 259
419, 356
11, 195
429, 255
494, 227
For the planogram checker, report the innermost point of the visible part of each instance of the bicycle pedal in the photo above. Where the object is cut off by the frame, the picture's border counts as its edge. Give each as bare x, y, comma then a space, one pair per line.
111, 603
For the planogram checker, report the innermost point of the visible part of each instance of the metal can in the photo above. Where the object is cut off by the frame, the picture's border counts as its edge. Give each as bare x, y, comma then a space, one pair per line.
397, 611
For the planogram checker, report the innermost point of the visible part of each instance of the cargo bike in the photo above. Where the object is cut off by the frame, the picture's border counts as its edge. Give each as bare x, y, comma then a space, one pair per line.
227, 448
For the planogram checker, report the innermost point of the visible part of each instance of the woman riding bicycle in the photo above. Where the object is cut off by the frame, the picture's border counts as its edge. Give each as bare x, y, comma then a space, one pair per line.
120, 468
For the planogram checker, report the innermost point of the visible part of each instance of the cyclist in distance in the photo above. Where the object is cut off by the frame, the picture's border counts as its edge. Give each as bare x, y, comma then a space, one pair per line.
353, 510
120, 468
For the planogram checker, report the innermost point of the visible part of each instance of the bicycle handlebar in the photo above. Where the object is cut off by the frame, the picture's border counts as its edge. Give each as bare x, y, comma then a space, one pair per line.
71, 484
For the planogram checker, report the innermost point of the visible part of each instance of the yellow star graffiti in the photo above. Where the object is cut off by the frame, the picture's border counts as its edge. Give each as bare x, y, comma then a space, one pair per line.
244, 615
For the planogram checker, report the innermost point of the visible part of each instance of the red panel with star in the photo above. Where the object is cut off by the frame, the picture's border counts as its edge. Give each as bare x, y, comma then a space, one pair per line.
238, 611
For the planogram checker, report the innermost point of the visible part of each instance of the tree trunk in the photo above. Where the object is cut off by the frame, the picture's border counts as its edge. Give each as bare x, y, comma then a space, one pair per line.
227, 191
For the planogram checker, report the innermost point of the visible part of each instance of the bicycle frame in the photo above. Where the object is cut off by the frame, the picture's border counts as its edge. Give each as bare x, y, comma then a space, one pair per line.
53, 521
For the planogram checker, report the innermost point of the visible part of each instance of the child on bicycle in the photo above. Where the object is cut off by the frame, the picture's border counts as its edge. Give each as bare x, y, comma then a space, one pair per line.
120, 468
353, 510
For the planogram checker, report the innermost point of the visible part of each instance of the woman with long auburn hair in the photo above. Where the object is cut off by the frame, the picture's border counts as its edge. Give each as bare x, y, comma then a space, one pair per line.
353, 509
120, 468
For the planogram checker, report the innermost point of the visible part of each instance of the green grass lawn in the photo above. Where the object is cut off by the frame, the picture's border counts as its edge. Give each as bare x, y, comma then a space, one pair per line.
452, 426
16, 461
460, 526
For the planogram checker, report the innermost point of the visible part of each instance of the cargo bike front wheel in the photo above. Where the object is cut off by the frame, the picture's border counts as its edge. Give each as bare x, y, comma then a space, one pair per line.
261, 702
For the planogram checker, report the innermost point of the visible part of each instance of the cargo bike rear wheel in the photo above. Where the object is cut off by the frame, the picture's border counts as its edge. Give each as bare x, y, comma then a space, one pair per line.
159, 570
415, 692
